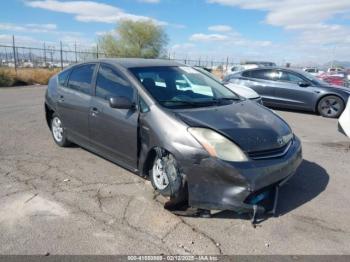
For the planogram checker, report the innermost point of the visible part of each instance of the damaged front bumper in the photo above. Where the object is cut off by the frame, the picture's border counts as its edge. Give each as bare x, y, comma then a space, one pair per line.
214, 184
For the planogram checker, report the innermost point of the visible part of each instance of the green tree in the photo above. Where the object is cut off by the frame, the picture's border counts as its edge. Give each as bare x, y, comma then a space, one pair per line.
135, 39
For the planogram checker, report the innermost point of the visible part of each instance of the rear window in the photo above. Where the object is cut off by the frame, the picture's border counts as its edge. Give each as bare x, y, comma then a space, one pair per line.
62, 77
81, 77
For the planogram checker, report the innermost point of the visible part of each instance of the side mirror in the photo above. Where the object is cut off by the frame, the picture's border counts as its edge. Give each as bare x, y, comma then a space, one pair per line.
121, 102
303, 84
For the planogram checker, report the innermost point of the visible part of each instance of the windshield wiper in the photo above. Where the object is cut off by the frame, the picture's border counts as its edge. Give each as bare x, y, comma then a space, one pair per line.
191, 103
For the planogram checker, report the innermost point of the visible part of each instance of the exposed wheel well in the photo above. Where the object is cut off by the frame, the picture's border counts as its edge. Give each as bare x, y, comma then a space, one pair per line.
149, 161
48, 114
318, 101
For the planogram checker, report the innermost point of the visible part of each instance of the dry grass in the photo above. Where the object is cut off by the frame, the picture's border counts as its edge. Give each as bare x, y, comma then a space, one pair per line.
25, 76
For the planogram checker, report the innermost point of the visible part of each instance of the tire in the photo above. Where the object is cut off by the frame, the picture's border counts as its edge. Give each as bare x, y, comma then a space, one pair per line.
330, 106
165, 175
58, 132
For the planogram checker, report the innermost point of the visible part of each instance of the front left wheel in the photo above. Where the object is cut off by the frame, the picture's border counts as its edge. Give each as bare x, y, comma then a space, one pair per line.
58, 132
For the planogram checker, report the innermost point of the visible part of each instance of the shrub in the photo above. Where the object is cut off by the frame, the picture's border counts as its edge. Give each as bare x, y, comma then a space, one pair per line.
7, 78
25, 76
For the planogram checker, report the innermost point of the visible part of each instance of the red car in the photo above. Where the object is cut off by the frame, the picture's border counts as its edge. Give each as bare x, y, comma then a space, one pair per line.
333, 80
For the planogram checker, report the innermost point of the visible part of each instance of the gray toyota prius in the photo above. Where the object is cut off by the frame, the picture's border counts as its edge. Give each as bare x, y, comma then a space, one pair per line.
190, 135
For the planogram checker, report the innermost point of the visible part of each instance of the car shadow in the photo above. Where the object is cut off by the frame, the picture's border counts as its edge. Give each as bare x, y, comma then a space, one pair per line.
310, 180
294, 111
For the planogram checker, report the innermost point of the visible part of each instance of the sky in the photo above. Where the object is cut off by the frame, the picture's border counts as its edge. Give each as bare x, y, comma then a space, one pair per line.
296, 31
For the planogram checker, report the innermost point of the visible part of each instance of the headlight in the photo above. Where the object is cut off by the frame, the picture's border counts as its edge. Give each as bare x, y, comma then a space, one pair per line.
217, 145
287, 138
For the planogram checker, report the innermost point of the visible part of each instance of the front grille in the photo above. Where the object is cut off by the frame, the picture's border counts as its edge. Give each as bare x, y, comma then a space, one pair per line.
271, 153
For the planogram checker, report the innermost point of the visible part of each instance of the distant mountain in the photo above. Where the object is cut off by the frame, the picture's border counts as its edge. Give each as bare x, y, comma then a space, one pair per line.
345, 64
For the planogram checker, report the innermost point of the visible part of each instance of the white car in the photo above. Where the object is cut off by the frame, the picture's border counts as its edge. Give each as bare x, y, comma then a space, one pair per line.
244, 91
313, 71
344, 121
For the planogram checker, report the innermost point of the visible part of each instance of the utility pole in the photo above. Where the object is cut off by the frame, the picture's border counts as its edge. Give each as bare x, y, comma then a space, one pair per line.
14, 52
75, 51
61, 51
44, 54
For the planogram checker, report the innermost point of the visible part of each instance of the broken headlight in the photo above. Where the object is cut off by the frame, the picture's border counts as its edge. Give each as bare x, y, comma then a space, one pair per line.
217, 145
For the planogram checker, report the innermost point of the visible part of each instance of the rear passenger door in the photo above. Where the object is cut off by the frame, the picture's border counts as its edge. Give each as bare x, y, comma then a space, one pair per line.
74, 102
262, 82
113, 131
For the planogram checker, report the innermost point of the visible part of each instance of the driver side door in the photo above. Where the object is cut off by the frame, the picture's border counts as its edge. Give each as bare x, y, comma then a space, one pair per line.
113, 132
289, 93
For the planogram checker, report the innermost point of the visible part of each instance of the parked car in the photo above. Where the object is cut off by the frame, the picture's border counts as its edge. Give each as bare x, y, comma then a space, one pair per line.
294, 89
224, 152
336, 71
333, 80
344, 121
238, 68
313, 71
242, 91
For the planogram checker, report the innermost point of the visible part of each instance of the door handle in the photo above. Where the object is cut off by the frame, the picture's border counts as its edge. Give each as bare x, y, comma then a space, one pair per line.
61, 99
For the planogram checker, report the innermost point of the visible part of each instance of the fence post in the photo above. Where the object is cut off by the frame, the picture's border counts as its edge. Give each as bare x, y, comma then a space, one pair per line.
45, 54
75, 51
14, 52
226, 63
61, 51
97, 51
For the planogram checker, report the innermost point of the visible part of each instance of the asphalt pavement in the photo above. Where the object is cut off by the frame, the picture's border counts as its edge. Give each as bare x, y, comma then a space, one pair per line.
71, 201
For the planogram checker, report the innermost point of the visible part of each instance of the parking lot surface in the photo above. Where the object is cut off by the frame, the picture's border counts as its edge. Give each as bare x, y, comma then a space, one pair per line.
70, 201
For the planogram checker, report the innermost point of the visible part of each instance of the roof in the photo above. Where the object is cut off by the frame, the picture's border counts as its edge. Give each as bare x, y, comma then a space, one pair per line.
138, 62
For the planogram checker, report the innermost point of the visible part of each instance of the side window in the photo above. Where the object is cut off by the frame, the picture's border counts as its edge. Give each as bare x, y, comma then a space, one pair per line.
294, 78
143, 106
262, 74
109, 83
289, 77
81, 77
62, 77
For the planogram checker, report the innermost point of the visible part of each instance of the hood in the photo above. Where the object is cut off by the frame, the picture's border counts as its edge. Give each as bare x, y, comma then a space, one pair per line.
243, 91
250, 125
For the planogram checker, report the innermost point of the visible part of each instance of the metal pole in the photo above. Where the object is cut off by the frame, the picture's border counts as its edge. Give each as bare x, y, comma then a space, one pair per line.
226, 63
44, 54
75, 51
97, 51
14, 52
61, 51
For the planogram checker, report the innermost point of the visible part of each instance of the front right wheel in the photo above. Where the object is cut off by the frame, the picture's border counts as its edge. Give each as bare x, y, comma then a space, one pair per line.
165, 175
331, 106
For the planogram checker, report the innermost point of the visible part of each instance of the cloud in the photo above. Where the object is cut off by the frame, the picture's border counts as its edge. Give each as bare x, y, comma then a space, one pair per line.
292, 12
32, 28
220, 28
313, 22
89, 11
200, 37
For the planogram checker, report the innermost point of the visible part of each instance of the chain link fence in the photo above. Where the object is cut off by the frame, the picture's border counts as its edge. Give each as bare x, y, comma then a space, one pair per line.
15, 55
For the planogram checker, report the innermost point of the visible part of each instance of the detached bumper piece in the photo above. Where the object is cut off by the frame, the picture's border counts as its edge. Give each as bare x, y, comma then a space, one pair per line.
265, 201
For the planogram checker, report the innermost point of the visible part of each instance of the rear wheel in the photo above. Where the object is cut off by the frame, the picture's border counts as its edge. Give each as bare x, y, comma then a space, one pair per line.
330, 106
58, 132
165, 175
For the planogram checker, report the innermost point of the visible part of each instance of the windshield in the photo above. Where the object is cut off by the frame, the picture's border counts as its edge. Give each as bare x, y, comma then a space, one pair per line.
183, 86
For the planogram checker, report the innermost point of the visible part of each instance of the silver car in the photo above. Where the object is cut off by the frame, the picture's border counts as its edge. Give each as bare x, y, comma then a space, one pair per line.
294, 89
